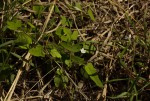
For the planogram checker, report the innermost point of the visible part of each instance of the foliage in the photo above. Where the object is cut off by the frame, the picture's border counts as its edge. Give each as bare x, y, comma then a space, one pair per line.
76, 49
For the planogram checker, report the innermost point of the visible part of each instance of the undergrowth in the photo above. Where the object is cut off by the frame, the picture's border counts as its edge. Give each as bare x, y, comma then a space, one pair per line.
66, 50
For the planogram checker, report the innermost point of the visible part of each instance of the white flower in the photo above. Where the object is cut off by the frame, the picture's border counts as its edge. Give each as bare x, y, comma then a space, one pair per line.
83, 50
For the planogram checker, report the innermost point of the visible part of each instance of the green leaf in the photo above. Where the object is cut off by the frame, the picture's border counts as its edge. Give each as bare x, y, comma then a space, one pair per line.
78, 6
56, 9
7, 43
37, 51
60, 79
4, 66
23, 39
57, 81
38, 9
72, 48
91, 71
89, 47
64, 34
64, 38
63, 20
69, 23
14, 25
66, 22
24, 47
74, 36
67, 33
90, 13
122, 95
123, 64
84, 73
64, 79
68, 63
16, 55
59, 31
31, 25
77, 60
55, 53
59, 71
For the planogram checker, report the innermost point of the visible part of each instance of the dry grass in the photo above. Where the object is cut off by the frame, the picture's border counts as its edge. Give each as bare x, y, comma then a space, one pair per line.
121, 32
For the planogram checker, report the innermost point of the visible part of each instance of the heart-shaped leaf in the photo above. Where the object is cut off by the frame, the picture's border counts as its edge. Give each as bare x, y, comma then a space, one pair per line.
74, 36
14, 25
37, 51
55, 53
23, 39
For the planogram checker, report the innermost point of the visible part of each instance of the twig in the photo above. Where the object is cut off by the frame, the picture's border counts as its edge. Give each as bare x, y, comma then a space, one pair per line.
78, 88
95, 55
27, 57
46, 22
3, 14
13, 86
54, 28
38, 82
77, 27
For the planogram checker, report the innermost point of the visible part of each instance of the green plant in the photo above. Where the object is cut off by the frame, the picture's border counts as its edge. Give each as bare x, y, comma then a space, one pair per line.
84, 50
